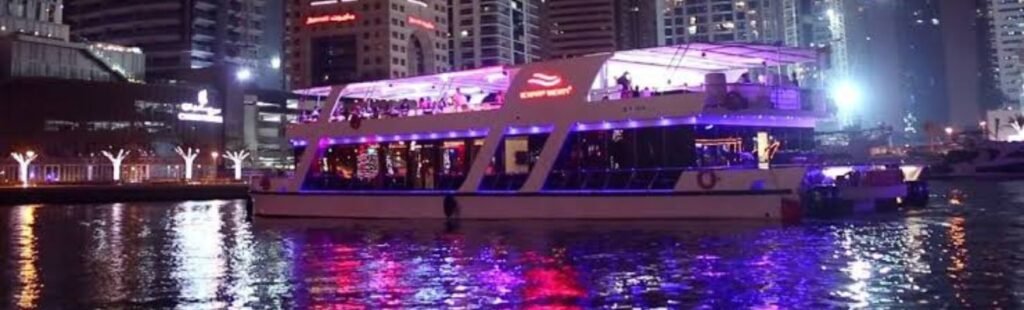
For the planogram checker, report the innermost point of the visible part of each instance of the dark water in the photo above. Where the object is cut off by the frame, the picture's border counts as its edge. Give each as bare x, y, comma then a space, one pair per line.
965, 252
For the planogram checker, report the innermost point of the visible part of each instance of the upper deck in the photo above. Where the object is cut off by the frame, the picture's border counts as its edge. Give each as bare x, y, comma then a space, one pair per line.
694, 83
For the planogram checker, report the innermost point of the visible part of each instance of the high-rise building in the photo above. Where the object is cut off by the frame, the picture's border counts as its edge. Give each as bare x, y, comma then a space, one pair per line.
916, 63
34, 44
1007, 41
178, 35
490, 32
581, 27
42, 18
759, 21
335, 41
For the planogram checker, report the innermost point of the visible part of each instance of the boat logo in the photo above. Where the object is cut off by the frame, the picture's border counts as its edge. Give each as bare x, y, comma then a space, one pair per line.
545, 86
544, 80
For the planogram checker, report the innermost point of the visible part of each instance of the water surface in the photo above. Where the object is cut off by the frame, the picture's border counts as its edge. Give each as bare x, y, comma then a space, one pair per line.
965, 250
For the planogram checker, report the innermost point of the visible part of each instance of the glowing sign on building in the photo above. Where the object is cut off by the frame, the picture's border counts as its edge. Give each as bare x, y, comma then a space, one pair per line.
422, 23
200, 112
333, 18
543, 85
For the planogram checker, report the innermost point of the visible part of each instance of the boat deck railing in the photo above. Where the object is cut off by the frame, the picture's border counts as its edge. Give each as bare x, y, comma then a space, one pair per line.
733, 96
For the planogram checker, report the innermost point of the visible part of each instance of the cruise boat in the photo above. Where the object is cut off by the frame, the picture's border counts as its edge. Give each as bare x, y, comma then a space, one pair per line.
705, 131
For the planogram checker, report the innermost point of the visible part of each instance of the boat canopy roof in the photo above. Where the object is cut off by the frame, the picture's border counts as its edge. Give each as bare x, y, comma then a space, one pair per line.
693, 60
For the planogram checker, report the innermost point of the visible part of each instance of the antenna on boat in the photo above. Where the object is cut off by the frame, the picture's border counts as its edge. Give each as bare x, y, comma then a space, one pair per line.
677, 60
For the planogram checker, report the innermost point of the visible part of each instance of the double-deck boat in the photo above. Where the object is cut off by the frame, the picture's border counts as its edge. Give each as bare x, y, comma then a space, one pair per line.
561, 139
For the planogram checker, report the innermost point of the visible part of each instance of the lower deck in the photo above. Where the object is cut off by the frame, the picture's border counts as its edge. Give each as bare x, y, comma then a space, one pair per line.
768, 204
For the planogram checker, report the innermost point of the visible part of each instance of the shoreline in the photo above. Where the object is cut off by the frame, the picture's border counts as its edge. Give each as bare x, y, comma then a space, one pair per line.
110, 193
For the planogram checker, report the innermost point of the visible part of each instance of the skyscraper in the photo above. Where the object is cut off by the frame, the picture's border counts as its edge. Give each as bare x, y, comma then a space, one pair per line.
1007, 40
178, 35
916, 63
581, 27
335, 42
42, 18
757, 21
491, 32
34, 43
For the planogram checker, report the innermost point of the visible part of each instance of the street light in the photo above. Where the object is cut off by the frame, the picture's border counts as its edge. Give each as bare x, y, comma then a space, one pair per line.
275, 63
243, 74
847, 95
949, 131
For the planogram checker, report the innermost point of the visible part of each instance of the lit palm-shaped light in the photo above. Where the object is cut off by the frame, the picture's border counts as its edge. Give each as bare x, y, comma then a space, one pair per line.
116, 161
1017, 124
189, 156
24, 159
237, 158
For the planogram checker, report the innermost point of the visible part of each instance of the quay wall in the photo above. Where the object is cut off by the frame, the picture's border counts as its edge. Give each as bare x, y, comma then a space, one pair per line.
77, 194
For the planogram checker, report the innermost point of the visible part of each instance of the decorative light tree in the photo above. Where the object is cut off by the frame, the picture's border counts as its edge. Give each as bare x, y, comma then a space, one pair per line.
116, 161
237, 158
1017, 124
190, 157
23, 161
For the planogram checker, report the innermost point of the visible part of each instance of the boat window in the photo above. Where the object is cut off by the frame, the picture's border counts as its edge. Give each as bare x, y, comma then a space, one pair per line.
297, 152
652, 158
623, 159
429, 165
513, 161
459, 102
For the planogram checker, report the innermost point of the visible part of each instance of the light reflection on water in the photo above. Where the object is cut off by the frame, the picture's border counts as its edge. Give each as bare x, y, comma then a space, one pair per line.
207, 255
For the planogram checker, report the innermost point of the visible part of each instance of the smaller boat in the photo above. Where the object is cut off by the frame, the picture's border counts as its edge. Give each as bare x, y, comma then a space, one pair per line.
985, 160
841, 189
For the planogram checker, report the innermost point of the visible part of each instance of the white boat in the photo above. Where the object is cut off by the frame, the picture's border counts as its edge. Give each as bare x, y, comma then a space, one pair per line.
560, 140
986, 160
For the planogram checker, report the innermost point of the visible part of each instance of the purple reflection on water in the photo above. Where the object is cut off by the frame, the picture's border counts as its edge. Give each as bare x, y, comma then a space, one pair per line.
208, 255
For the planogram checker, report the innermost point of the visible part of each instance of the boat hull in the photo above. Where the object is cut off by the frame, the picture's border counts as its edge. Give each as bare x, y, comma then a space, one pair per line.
769, 205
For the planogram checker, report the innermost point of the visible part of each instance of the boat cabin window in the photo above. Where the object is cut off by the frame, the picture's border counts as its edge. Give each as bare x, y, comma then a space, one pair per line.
430, 165
652, 158
623, 159
513, 161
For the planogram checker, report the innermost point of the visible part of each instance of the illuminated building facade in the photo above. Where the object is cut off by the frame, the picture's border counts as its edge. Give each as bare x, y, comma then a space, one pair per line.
34, 44
179, 35
331, 42
207, 110
490, 33
1007, 40
754, 21
917, 63
581, 27
41, 18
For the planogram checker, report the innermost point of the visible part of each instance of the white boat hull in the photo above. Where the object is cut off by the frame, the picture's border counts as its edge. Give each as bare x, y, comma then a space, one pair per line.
769, 205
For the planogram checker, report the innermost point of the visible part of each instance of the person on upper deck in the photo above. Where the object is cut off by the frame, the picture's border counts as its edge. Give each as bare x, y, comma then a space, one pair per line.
625, 84
745, 78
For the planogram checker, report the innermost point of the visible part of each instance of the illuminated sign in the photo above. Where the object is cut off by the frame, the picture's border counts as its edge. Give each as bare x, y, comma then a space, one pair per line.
421, 23
333, 18
549, 86
200, 112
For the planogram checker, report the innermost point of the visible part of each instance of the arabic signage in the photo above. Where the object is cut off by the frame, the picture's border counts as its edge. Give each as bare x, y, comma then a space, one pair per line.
332, 18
